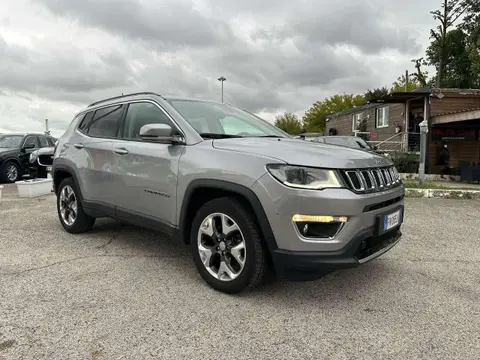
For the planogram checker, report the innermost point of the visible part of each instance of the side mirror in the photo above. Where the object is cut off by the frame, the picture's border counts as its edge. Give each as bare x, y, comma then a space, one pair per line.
158, 133
29, 146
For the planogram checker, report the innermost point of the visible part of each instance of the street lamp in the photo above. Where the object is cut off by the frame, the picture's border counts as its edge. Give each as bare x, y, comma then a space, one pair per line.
222, 79
423, 150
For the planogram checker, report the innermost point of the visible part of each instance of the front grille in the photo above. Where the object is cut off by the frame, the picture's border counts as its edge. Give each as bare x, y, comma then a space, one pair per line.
45, 160
372, 180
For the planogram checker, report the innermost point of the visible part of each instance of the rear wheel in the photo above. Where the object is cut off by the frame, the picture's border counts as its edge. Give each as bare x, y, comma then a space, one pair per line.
70, 210
227, 248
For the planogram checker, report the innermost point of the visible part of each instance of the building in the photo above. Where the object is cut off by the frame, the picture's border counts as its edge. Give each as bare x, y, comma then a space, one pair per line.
393, 123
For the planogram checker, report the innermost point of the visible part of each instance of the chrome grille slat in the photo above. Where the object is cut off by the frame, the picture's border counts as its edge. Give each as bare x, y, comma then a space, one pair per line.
372, 180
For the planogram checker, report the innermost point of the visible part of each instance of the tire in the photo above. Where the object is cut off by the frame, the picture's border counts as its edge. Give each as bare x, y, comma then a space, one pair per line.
82, 222
6, 168
255, 257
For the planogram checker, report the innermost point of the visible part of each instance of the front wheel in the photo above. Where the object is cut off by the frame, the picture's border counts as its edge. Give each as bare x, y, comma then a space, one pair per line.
227, 247
70, 210
10, 172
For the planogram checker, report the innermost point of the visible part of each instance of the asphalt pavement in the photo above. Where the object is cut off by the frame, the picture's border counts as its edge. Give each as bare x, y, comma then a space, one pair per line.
121, 292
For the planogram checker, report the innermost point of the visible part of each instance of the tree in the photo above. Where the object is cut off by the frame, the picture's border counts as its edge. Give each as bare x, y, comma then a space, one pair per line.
437, 53
314, 118
289, 123
376, 93
399, 85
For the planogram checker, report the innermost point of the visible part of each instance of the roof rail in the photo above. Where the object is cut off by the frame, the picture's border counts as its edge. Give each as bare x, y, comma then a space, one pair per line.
124, 95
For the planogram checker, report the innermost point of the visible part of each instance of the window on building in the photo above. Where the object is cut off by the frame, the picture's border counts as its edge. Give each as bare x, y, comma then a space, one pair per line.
356, 119
382, 117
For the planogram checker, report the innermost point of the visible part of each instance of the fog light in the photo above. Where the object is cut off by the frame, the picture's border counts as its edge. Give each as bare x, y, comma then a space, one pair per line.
319, 218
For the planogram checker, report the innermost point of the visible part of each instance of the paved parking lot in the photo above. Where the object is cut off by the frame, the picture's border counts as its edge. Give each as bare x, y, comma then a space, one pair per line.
121, 292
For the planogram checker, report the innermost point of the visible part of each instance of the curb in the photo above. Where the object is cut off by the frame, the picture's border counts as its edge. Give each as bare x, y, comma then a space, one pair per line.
442, 194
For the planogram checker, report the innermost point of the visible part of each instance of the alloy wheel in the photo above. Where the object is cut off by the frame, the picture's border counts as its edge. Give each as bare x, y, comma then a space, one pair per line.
12, 173
68, 205
221, 246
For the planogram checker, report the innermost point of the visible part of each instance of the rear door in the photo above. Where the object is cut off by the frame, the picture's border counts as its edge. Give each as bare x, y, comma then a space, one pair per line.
97, 132
145, 172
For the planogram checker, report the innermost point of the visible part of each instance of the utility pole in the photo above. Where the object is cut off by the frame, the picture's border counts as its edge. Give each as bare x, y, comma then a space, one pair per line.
222, 79
406, 80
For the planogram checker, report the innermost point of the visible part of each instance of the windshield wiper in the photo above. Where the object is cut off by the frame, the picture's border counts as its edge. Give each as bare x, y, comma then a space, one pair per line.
269, 136
218, 136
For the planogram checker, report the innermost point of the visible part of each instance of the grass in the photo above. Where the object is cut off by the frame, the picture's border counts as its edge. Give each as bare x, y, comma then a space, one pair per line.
410, 184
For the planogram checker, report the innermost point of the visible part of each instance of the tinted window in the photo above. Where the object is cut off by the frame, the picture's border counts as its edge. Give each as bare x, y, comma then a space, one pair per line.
85, 122
140, 114
51, 141
105, 122
43, 141
30, 140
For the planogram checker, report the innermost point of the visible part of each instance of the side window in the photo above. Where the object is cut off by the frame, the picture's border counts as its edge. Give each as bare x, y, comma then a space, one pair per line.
234, 126
140, 114
105, 122
43, 141
85, 122
51, 141
31, 140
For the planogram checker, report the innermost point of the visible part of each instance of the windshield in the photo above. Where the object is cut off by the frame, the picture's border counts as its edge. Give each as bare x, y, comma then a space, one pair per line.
223, 120
10, 141
353, 142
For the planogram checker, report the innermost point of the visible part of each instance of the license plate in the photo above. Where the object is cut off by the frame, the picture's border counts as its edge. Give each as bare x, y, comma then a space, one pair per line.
49, 168
392, 220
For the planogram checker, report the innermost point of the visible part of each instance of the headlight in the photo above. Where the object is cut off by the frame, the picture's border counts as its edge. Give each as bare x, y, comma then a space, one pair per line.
33, 157
305, 177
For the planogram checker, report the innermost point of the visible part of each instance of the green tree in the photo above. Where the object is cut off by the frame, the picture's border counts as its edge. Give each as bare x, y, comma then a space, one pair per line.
289, 123
376, 93
438, 51
399, 85
314, 118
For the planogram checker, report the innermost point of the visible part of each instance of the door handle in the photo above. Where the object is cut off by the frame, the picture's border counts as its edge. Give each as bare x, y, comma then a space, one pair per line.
78, 146
120, 151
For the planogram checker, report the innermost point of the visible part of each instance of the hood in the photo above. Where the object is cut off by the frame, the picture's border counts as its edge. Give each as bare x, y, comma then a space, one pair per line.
305, 153
7, 151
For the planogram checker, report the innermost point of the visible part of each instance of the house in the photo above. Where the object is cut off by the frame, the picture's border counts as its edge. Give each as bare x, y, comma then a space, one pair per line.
393, 123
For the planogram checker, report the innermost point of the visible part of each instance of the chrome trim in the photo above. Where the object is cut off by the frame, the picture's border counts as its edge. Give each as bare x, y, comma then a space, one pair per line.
380, 252
381, 179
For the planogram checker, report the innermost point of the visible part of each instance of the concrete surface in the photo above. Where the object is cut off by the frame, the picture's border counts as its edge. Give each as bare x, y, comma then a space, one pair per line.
121, 292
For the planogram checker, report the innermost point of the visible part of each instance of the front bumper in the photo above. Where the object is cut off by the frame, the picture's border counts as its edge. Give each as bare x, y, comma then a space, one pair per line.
307, 265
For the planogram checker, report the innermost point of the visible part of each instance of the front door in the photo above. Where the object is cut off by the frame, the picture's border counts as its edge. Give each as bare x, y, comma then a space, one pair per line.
30, 144
145, 172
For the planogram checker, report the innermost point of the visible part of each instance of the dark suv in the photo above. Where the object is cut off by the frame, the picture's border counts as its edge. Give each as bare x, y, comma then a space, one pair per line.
15, 150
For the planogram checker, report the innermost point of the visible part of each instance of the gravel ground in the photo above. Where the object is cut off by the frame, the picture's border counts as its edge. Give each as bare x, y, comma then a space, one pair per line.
122, 292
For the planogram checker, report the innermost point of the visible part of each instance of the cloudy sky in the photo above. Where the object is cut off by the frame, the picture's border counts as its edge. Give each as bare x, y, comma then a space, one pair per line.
56, 56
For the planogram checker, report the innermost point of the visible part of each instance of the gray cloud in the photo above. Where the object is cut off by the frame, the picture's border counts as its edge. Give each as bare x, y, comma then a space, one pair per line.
165, 23
65, 72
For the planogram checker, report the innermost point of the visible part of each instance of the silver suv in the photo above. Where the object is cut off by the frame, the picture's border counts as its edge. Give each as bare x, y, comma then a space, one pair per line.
247, 197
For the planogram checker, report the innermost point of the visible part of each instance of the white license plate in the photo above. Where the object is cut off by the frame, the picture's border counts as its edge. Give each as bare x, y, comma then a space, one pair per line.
392, 220
49, 168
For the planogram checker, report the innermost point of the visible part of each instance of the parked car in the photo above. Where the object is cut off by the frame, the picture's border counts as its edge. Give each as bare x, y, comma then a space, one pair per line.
245, 196
354, 142
15, 150
41, 161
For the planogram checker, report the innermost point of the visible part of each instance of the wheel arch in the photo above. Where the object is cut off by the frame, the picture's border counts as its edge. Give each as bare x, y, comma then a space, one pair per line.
200, 191
61, 172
